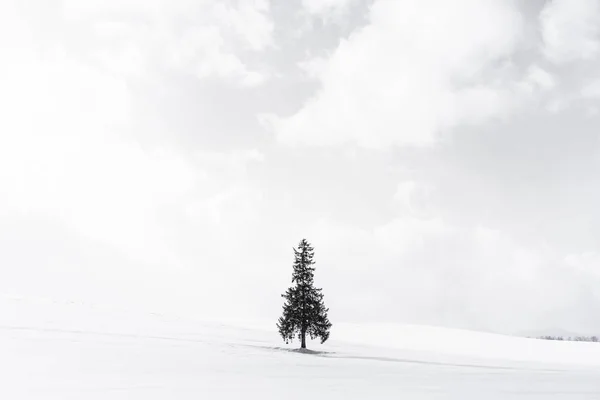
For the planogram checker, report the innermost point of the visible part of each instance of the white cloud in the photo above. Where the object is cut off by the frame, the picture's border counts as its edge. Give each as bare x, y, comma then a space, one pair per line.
540, 78
66, 152
201, 52
413, 198
201, 38
571, 30
250, 20
234, 206
591, 90
72, 169
154, 185
586, 263
326, 8
313, 67
416, 69
428, 271
235, 161
227, 198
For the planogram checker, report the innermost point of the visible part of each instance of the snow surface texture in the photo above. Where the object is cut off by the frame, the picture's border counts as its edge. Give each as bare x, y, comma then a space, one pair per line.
51, 350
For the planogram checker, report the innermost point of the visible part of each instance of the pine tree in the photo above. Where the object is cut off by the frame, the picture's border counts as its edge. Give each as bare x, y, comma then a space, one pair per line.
304, 311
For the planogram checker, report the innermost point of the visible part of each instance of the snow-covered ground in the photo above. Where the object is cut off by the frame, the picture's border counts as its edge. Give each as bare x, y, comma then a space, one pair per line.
51, 350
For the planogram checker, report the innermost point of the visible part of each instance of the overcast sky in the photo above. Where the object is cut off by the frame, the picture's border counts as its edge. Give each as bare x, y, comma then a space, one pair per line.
443, 157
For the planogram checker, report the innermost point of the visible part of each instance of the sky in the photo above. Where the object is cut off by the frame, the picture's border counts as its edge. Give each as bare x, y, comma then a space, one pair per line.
443, 158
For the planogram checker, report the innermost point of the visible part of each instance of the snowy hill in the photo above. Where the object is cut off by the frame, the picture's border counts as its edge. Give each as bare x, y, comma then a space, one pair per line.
64, 351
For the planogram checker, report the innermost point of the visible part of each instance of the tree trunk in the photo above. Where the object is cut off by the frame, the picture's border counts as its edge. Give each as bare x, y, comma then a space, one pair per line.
303, 334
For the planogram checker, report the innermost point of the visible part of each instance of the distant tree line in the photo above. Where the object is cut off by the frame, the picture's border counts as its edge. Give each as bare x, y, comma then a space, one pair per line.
571, 338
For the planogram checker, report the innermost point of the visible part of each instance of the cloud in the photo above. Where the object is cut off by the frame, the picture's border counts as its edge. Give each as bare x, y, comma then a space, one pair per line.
327, 7
416, 70
132, 169
201, 52
585, 262
313, 67
428, 271
249, 20
66, 152
591, 90
91, 208
413, 198
540, 78
203, 38
570, 30
228, 198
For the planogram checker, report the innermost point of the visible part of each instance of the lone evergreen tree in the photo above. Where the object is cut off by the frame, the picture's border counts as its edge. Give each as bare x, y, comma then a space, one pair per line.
304, 311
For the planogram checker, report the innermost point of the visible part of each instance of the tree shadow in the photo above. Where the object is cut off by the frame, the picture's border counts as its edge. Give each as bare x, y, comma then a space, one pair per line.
299, 351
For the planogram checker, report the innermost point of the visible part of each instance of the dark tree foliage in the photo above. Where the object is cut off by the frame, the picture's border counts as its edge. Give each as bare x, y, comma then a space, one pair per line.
304, 311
